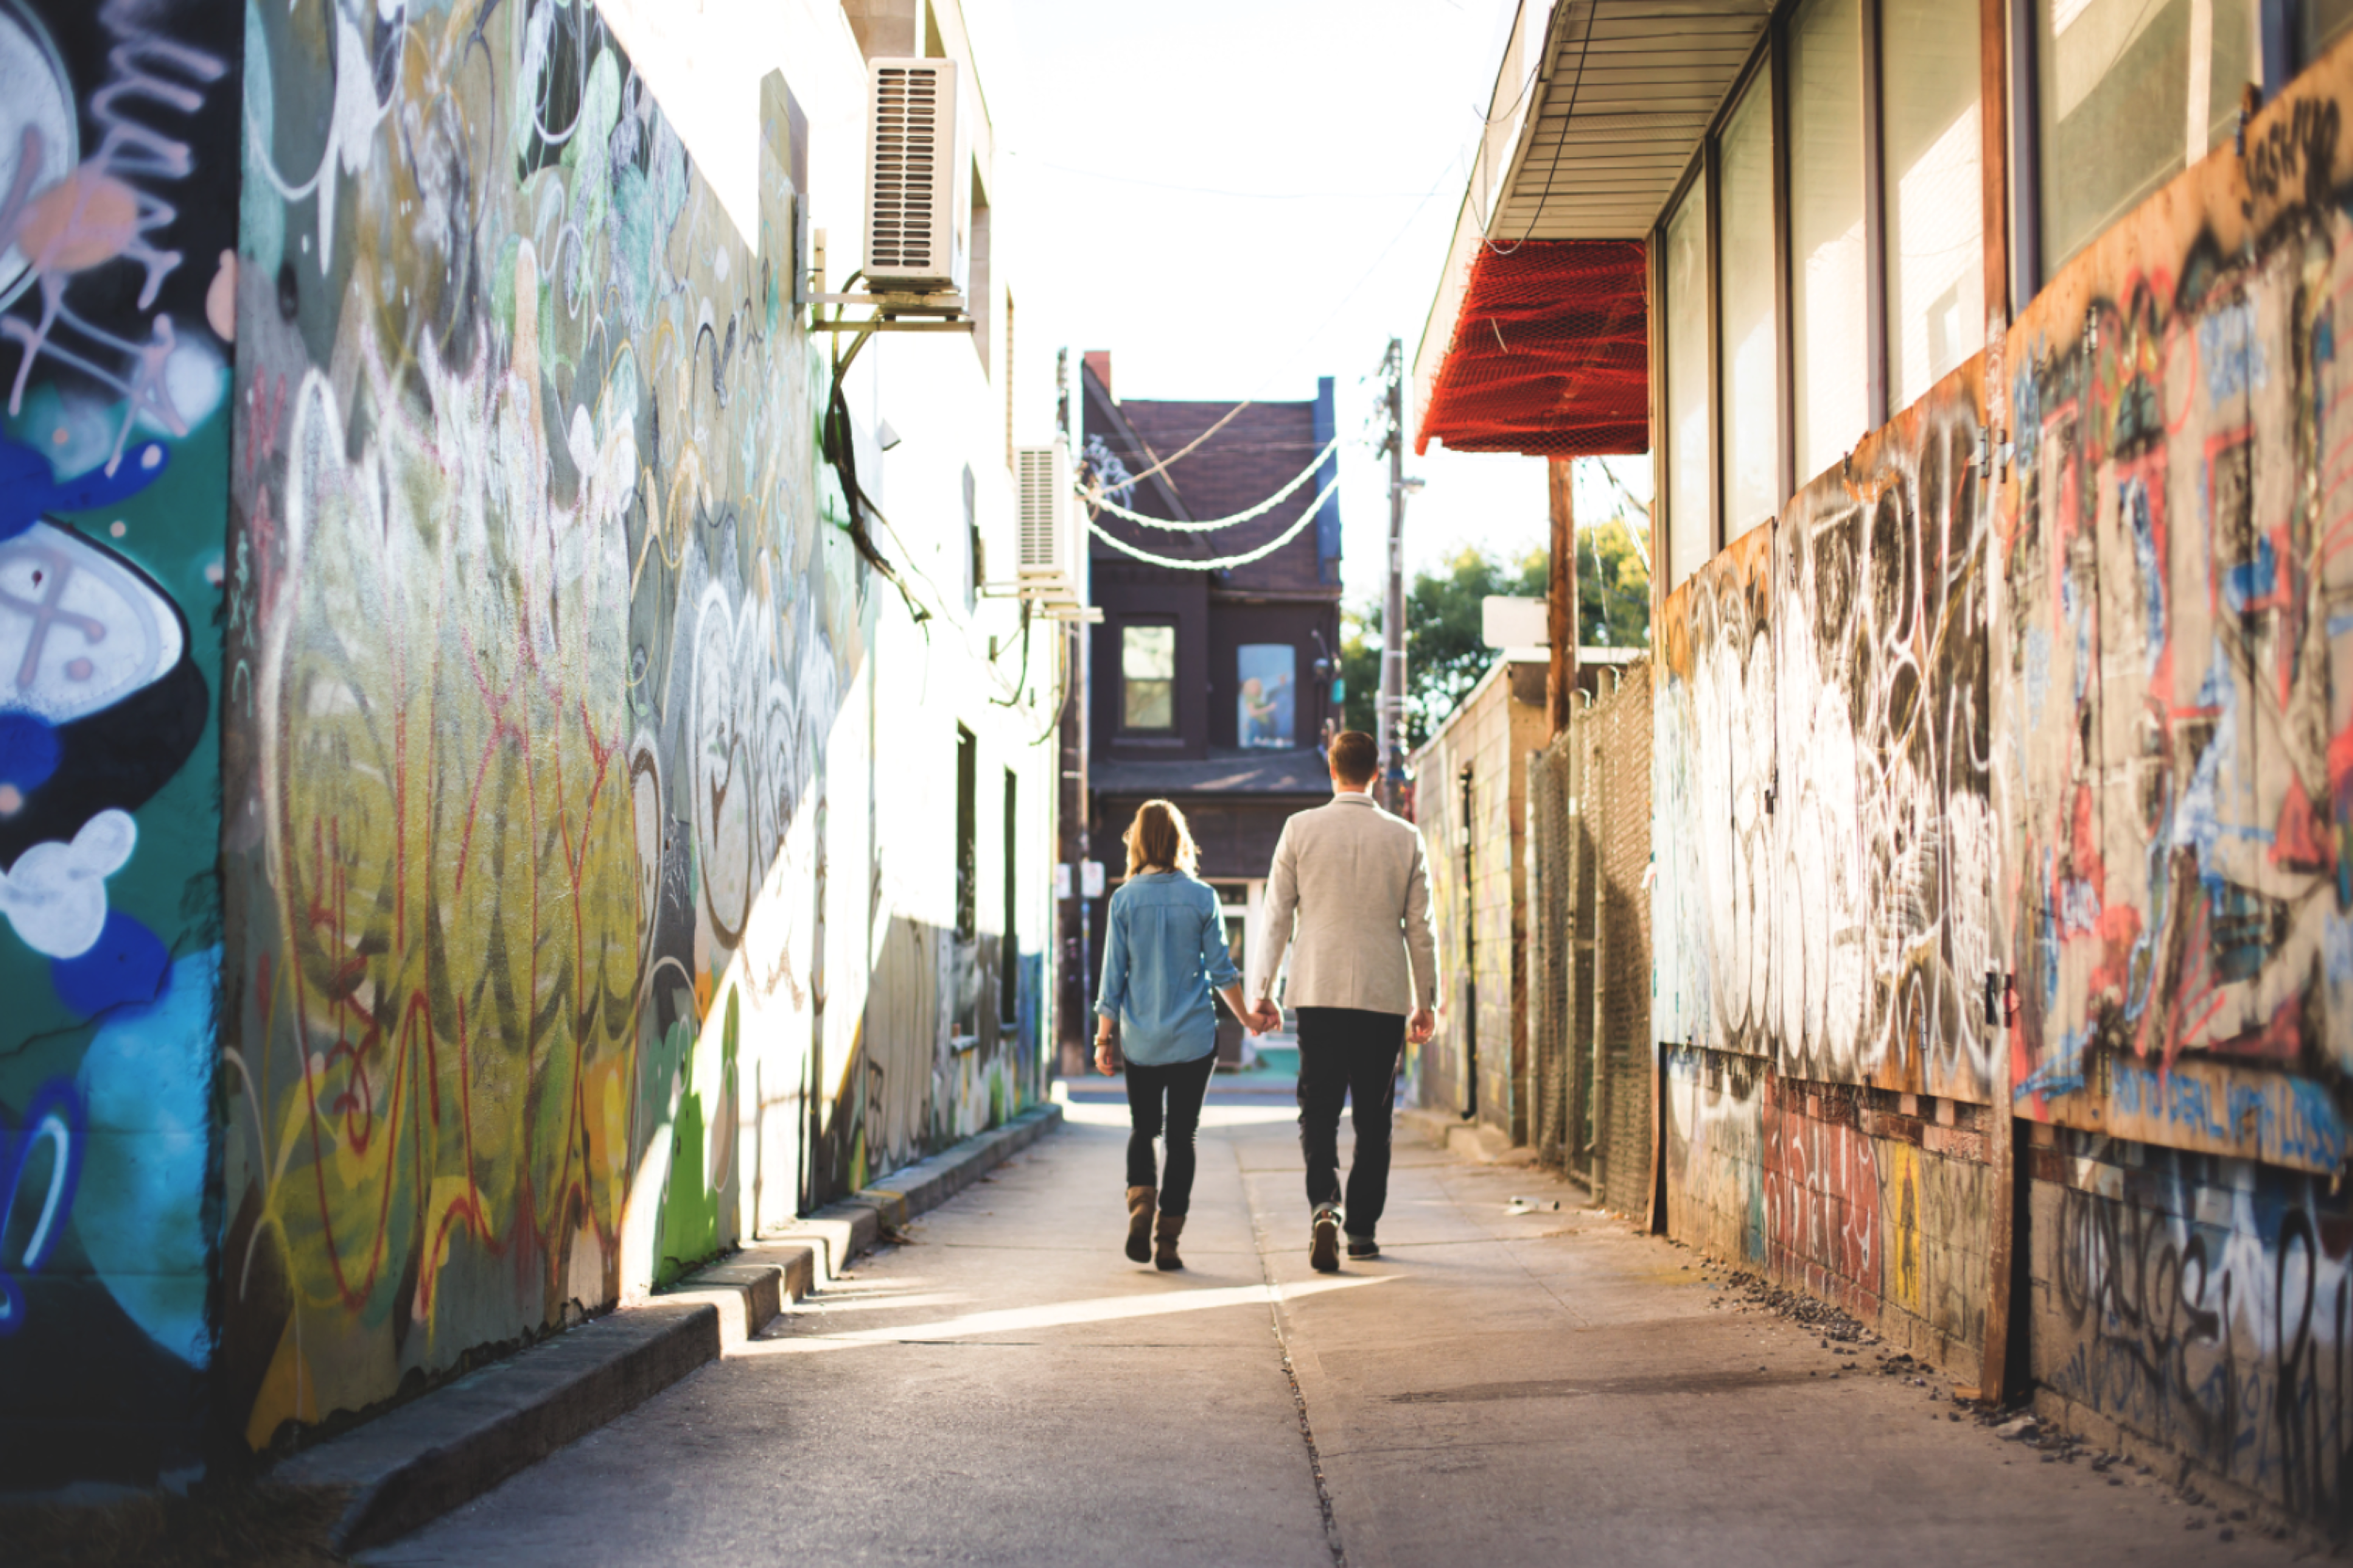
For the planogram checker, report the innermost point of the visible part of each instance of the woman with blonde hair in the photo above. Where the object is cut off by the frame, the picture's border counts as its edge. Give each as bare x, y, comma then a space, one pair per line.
1163, 955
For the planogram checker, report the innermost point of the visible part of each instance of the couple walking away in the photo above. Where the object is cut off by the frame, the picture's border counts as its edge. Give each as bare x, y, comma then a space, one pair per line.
1361, 961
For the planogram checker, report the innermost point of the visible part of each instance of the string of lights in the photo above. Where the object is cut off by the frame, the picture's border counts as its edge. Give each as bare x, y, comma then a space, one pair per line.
1096, 498
1222, 562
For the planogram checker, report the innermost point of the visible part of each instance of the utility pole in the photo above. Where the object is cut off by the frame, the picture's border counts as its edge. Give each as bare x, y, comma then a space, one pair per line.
1561, 617
1391, 713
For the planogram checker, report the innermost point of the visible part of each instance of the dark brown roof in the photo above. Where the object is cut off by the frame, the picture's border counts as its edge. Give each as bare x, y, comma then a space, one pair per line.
1257, 453
1252, 773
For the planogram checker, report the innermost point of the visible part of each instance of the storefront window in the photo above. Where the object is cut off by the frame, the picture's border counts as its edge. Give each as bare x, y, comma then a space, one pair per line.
1147, 676
1827, 273
1264, 709
2130, 90
1745, 287
1690, 532
1935, 191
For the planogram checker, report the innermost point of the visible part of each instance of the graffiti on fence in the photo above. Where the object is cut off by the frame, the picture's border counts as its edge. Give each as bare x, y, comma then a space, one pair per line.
1711, 785
2207, 1304
1715, 1153
1883, 819
2176, 557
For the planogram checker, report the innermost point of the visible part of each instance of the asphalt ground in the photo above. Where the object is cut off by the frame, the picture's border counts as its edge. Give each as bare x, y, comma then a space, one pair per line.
1510, 1383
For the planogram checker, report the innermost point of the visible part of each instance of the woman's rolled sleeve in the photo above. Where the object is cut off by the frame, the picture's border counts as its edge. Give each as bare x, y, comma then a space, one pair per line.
1216, 957
1113, 994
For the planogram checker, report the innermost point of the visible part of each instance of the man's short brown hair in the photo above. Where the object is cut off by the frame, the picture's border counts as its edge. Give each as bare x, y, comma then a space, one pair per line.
1355, 758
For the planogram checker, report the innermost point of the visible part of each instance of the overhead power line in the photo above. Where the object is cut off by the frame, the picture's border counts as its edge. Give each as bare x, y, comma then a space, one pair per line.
1096, 498
1222, 562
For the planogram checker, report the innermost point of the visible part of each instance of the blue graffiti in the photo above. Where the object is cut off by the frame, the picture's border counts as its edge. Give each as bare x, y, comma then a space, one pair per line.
125, 966
2062, 1071
140, 1218
53, 1121
28, 487
2250, 582
2232, 352
2135, 499
29, 753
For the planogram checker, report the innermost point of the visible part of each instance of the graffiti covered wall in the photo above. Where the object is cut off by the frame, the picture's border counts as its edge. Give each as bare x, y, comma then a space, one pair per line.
2174, 631
118, 203
1824, 916
553, 882
2097, 854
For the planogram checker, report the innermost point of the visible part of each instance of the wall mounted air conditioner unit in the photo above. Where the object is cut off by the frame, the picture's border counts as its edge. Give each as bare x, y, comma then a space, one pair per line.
1051, 549
919, 191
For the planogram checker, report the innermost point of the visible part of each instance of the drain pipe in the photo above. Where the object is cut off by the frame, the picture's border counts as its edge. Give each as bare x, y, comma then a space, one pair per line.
1470, 964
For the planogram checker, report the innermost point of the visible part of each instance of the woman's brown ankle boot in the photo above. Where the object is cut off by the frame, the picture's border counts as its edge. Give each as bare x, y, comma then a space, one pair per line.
1140, 1201
1165, 1234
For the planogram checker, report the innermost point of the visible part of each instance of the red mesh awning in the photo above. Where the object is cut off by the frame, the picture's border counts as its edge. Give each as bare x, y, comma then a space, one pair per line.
1551, 356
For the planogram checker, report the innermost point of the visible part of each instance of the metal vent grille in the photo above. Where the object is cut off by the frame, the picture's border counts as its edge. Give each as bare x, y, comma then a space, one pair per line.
1036, 511
906, 155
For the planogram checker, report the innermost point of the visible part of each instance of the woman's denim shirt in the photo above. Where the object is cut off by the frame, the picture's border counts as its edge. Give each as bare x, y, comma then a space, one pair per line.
1164, 956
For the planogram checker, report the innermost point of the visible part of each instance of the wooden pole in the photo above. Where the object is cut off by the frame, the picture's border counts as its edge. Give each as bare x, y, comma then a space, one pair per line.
2006, 1242
1560, 600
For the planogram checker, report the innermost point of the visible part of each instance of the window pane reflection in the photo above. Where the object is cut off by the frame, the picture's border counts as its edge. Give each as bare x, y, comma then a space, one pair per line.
1265, 709
1827, 285
1690, 532
1751, 407
1147, 676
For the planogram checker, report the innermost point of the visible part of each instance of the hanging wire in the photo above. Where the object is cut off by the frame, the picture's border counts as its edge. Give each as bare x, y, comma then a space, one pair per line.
1096, 498
1576, 85
1222, 562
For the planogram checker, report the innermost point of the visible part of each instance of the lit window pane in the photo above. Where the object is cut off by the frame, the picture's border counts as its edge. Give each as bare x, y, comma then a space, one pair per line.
1147, 671
1827, 284
1935, 195
1689, 533
2130, 90
1265, 703
1752, 407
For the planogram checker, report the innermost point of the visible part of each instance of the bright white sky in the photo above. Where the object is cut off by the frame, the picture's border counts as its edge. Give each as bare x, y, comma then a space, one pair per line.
1234, 197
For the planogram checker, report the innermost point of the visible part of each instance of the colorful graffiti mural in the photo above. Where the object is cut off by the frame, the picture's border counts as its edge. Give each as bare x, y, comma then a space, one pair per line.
118, 169
554, 887
1823, 777
2207, 1304
2059, 789
2177, 616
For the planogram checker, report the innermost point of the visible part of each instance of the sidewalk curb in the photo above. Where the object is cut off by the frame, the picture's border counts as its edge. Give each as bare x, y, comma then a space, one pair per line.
1473, 1141
416, 1463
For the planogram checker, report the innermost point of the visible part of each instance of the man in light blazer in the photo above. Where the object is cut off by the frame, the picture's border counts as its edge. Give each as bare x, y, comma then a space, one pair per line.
1363, 979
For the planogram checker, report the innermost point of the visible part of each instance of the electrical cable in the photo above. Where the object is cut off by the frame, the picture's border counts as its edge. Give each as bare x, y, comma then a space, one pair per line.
1097, 499
1222, 562
1584, 49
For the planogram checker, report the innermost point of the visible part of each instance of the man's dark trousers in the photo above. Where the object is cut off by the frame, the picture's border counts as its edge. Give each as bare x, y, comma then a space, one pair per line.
1348, 1053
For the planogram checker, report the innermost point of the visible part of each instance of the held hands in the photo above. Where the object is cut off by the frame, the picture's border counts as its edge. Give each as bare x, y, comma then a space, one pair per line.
1421, 1026
1264, 1017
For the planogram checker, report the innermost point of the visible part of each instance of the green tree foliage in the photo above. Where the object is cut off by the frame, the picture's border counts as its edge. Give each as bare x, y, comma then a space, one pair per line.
1444, 653
1612, 588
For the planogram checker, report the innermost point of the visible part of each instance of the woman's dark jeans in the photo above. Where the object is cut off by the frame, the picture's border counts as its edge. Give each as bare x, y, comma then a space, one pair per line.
1182, 1086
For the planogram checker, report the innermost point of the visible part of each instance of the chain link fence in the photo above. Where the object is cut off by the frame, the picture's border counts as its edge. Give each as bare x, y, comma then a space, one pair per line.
1589, 942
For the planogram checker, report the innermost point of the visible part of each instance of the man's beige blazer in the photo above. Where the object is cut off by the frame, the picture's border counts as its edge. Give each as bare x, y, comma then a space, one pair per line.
1354, 878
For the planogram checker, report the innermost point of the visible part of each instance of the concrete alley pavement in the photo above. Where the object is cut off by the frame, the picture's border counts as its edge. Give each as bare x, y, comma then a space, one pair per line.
1499, 1387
